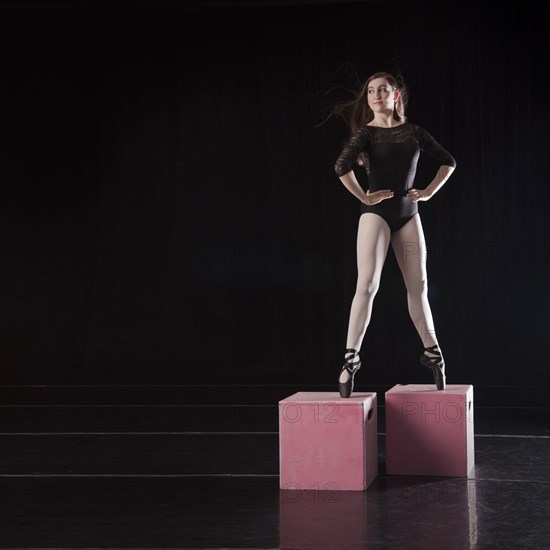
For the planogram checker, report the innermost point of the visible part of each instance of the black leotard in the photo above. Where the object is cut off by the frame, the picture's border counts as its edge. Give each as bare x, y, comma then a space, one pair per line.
390, 159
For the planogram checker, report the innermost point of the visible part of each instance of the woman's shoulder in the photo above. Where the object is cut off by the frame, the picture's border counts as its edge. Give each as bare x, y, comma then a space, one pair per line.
363, 132
413, 125
365, 128
418, 130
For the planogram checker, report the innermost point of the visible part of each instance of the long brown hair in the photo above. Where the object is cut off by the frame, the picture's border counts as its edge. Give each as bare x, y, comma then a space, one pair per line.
356, 111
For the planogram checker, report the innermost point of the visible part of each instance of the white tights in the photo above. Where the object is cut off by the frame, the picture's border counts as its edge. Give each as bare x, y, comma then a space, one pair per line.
409, 246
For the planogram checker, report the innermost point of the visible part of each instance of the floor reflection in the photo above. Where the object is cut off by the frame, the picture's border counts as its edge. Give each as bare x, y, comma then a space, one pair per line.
424, 512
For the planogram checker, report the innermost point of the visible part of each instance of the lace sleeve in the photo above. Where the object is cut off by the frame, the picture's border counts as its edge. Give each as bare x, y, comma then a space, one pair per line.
358, 143
429, 145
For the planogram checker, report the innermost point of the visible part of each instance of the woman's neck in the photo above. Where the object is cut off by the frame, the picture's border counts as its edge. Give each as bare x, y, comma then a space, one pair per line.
384, 121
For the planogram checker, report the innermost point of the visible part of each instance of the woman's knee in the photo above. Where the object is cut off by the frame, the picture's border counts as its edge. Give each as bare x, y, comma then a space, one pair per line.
417, 287
367, 285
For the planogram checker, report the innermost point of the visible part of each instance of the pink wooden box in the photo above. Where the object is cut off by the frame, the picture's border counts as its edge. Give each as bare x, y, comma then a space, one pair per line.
327, 442
430, 432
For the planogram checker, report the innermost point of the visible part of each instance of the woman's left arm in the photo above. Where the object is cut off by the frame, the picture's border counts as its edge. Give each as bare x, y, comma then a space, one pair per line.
441, 177
446, 168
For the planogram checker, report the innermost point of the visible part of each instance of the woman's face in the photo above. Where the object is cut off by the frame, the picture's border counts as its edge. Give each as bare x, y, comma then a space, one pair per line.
381, 96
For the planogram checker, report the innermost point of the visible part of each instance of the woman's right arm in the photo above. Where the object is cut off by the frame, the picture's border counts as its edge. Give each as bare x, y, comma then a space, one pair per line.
343, 167
358, 143
353, 186
344, 164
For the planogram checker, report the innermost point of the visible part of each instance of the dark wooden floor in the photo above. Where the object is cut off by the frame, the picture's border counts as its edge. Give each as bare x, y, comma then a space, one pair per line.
197, 467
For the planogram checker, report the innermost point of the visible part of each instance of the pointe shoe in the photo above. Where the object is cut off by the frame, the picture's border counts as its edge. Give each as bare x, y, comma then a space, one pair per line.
436, 364
346, 388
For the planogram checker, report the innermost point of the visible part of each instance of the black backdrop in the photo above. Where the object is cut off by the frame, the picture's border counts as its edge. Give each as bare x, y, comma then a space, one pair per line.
170, 213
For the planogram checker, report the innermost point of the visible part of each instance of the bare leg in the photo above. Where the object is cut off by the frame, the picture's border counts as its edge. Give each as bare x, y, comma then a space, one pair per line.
373, 240
409, 246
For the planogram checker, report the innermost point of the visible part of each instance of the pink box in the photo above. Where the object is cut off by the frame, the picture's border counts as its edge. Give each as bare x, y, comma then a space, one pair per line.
430, 432
327, 442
